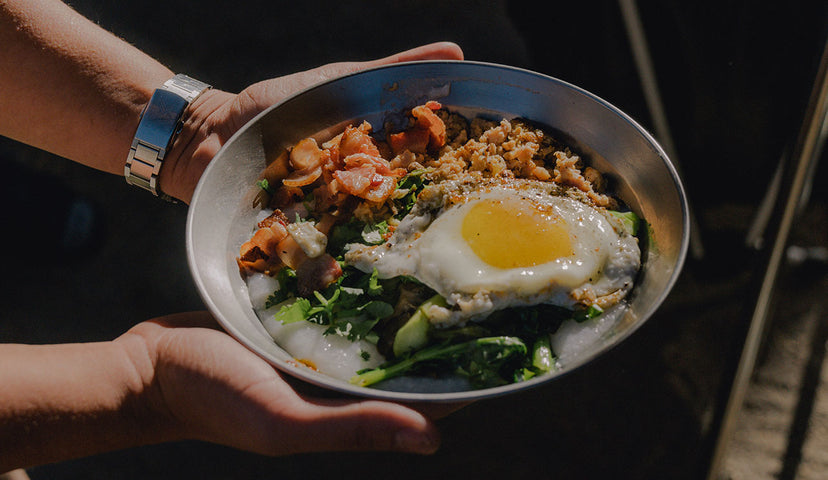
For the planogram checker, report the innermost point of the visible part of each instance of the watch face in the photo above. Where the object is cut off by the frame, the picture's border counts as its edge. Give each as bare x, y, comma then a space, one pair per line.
160, 121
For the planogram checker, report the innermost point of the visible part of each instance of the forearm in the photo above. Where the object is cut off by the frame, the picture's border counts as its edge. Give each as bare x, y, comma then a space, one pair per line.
66, 401
70, 87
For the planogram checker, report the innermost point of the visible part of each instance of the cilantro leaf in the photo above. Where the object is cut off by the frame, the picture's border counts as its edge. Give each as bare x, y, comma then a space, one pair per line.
374, 234
587, 313
353, 328
373, 287
287, 286
413, 182
294, 312
265, 185
343, 234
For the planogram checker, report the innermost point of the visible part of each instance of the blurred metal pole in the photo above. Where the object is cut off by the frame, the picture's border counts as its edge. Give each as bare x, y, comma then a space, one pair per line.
652, 95
795, 179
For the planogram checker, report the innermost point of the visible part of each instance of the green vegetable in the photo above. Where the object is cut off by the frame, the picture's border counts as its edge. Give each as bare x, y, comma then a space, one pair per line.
295, 311
587, 313
287, 286
413, 335
543, 359
485, 361
349, 307
413, 182
629, 219
265, 185
371, 284
374, 234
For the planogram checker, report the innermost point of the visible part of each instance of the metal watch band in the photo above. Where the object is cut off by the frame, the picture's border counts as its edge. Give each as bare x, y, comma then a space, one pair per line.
159, 125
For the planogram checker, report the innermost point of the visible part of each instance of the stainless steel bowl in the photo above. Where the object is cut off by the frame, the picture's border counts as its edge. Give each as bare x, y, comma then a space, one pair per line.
222, 211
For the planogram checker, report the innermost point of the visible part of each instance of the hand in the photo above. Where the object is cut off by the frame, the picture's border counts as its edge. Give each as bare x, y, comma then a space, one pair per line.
216, 115
205, 385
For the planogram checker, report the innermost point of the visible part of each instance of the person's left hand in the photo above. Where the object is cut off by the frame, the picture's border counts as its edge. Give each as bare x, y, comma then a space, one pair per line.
202, 384
216, 115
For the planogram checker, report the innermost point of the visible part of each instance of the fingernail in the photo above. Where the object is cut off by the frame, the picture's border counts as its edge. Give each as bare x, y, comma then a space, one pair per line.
416, 442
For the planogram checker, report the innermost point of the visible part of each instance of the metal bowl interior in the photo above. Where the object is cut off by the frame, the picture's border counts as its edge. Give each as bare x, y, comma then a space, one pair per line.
223, 209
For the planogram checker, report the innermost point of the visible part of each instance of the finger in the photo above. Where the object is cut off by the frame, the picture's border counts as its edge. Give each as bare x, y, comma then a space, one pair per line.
188, 319
366, 425
261, 95
436, 411
432, 51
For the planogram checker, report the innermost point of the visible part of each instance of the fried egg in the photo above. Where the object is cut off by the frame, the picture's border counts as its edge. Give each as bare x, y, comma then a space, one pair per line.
506, 244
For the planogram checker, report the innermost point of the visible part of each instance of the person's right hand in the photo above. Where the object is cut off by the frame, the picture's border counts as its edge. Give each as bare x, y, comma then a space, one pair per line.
202, 384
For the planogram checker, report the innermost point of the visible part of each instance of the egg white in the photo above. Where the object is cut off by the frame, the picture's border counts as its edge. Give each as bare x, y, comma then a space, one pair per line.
429, 246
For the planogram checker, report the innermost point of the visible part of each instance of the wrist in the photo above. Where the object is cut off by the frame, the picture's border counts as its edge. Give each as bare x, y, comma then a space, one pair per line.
202, 135
160, 123
74, 400
145, 407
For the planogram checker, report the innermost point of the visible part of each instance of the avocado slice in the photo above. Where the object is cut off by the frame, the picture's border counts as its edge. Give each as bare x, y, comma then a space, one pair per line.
413, 335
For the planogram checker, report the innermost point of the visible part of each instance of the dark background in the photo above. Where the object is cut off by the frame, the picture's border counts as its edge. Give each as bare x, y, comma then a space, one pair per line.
735, 77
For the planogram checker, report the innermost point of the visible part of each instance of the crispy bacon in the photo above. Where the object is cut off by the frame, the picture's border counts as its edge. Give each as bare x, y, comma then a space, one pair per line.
340, 174
371, 178
415, 141
317, 273
291, 253
355, 181
307, 160
277, 217
428, 120
428, 132
356, 140
306, 155
379, 192
260, 253
381, 165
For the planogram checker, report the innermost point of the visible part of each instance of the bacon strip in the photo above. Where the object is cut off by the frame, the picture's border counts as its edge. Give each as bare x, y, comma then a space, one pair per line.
428, 132
260, 253
317, 273
357, 140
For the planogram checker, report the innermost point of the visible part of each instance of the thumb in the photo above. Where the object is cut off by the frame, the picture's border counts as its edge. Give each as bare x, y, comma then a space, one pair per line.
261, 95
431, 51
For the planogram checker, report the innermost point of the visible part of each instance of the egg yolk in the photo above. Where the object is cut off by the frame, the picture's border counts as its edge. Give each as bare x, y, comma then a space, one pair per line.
514, 234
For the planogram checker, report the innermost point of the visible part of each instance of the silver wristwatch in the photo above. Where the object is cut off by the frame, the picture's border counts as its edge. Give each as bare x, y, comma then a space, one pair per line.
160, 124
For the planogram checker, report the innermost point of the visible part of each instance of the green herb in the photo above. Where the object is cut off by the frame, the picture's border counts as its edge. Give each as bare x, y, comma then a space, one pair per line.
372, 285
343, 234
265, 185
484, 361
374, 234
287, 286
629, 219
413, 182
543, 359
293, 312
587, 313
350, 307
309, 202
